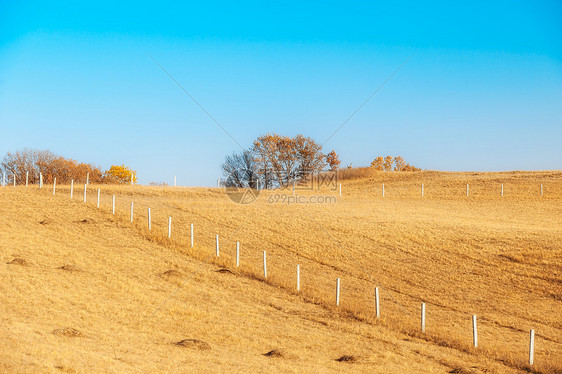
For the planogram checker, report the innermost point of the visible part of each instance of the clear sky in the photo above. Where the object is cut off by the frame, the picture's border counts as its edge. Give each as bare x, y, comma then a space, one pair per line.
482, 89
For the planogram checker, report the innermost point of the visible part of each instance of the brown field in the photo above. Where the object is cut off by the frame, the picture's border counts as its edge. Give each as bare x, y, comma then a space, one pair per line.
86, 291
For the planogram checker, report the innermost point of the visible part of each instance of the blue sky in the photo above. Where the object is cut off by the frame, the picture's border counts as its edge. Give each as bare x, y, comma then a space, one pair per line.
482, 89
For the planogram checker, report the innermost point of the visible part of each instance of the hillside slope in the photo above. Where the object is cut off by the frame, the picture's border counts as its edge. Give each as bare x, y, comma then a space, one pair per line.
131, 294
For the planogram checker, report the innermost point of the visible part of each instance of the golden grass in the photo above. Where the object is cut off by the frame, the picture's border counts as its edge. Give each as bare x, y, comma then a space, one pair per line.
77, 267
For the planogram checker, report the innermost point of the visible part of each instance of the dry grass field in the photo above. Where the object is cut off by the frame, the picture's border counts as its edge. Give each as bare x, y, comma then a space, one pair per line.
84, 290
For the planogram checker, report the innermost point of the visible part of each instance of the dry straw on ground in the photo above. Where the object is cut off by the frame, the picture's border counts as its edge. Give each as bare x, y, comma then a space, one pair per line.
497, 257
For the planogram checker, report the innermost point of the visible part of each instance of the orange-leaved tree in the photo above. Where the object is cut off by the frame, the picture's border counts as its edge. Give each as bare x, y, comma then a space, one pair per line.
333, 160
399, 163
120, 174
387, 164
377, 163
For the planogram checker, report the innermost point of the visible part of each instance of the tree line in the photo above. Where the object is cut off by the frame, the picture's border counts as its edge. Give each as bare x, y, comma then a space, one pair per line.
30, 164
390, 163
276, 161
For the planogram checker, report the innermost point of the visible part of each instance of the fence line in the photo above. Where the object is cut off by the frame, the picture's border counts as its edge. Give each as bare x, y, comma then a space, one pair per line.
338, 281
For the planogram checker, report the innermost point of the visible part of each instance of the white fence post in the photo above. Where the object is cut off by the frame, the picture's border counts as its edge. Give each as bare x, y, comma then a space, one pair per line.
26, 178
423, 317
541, 189
88, 178
340, 189
169, 227
474, 332
237, 254
85, 189
71, 188
40, 180
532, 348
422, 189
54, 185
338, 292
264, 265
377, 303
192, 235
298, 278
113, 205
149, 225
383, 190
14, 179
217, 244
99, 197
132, 208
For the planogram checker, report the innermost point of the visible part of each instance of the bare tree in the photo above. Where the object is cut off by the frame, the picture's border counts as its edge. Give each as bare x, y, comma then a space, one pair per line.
240, 170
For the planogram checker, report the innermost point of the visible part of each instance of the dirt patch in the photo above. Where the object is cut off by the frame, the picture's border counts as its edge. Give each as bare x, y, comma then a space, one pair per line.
348, 358
171, 274
18, 261
193, 343
459, 370
87, 220
279, 353
68, 332
71, 268
65, 369
225, 271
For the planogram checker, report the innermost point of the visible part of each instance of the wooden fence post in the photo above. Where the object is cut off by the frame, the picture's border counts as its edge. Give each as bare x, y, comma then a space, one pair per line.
532, 348
298, 278
377, 303
264, 265
423, 317
474, 332
237, 254
26, 178
338, 292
